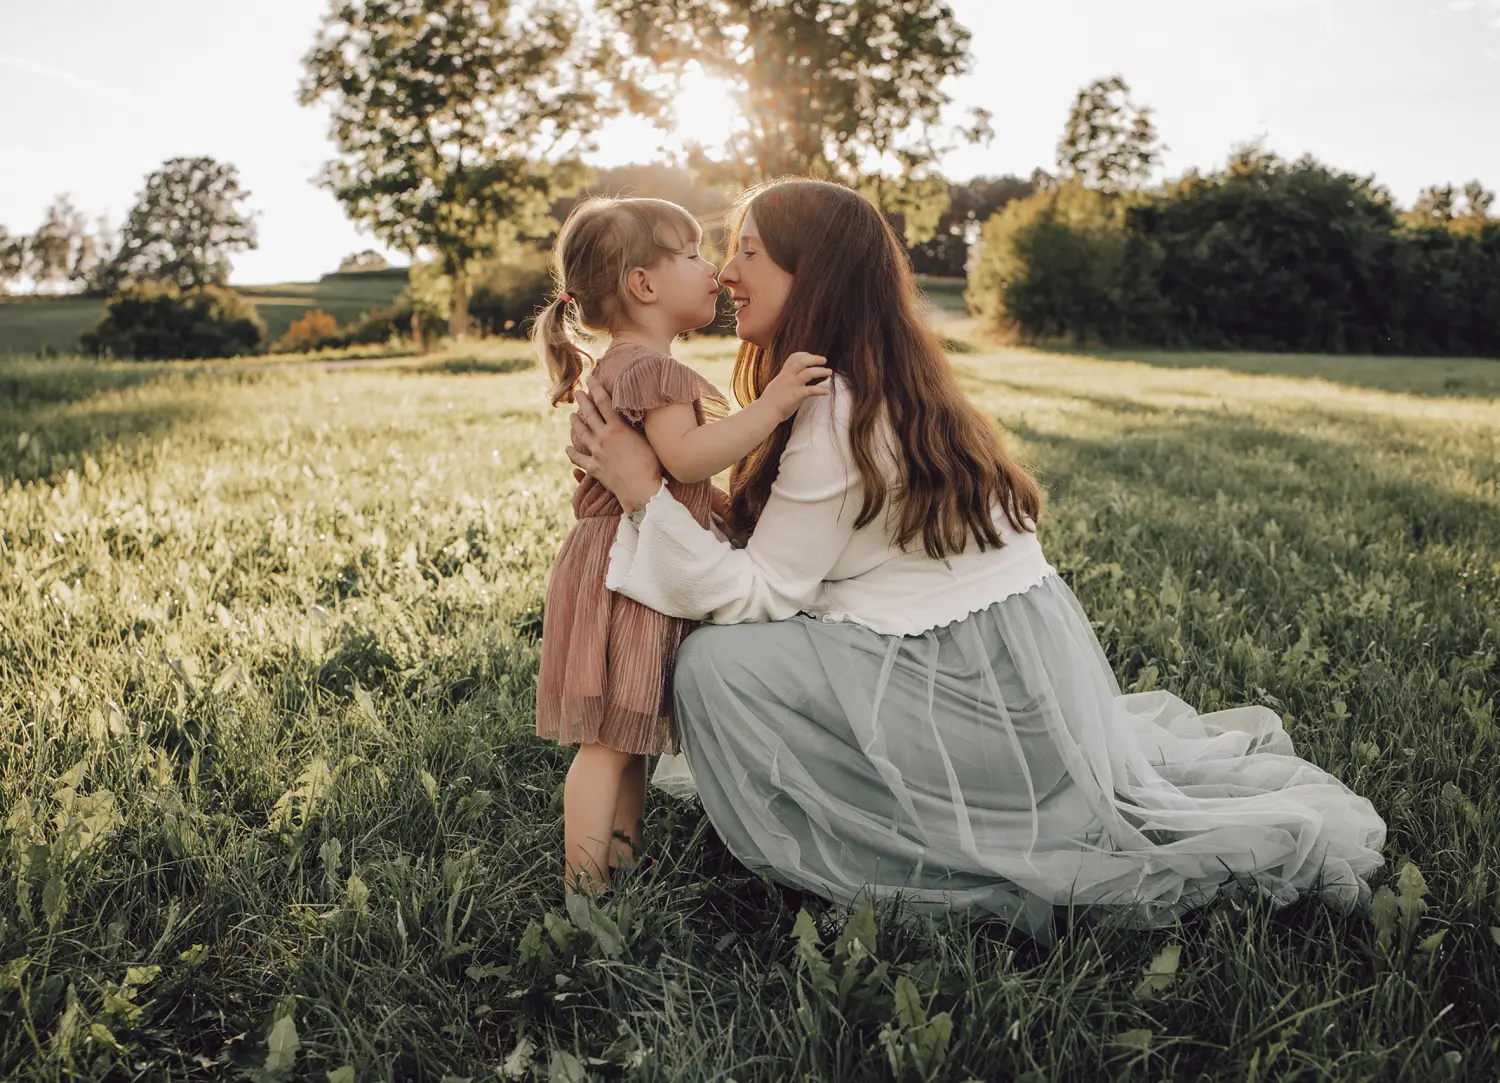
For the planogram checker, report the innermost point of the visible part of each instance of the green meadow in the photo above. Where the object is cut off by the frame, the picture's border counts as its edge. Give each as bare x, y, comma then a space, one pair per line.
273, 808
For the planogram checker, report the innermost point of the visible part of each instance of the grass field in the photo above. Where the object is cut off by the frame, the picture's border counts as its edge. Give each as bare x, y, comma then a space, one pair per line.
31, 324
273, 809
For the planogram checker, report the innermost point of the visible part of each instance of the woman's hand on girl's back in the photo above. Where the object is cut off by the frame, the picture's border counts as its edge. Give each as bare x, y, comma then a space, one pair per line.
607, 448
794, 384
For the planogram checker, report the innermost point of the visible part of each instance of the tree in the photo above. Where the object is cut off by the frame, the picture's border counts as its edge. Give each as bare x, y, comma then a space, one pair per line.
1435, 204
186, 222
368, 260
1049, 265
970, 204
1109, 142
56, 244
1443, 206
12, 259
1477, 200
1267, 255
846, 89
1264, 254
457, 121
89, 269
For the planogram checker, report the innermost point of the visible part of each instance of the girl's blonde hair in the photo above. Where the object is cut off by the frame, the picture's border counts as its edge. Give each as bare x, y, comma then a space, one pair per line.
602, 241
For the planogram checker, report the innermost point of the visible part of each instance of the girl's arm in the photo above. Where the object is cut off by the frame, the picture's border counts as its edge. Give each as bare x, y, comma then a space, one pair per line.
674, 566
692, 452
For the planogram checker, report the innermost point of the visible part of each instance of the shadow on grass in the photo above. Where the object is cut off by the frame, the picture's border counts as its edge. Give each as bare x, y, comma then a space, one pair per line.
26, 384
1433, 377
55, 412
1193, 459
54, 441
471, 366
1194, 454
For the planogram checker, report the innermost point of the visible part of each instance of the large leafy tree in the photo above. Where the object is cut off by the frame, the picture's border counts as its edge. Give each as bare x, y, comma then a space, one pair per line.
457, 122
853, 90
62, 250
1269, 254
186, 222
1109, 143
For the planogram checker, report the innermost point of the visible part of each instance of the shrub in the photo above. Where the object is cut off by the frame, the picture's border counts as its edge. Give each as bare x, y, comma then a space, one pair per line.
151, 322
1263, 255
1448, 289
1049, 265
377, 326
312, 331
509, 296
1268, 255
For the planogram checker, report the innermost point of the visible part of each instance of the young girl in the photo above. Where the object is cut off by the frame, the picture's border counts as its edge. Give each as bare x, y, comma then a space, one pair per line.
631, 268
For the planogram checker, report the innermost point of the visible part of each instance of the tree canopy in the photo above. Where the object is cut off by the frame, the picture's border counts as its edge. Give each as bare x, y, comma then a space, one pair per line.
1109, 142
853, 90
187, 221
971, 203
12, 259
58, 244
457, 122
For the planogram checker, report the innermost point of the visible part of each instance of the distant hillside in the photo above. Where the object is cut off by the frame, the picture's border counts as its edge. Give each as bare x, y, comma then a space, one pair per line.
344, 295
31, 324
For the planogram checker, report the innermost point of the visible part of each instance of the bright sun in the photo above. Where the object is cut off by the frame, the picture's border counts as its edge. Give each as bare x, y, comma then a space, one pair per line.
703, 110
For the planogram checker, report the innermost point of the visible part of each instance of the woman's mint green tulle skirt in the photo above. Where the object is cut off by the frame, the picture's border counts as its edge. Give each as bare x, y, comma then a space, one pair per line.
992, 766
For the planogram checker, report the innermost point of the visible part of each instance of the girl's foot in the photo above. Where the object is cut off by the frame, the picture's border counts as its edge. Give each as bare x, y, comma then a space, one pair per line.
646, 867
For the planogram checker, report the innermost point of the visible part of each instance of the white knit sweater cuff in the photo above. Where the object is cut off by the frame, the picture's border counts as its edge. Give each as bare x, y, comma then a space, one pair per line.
627, 538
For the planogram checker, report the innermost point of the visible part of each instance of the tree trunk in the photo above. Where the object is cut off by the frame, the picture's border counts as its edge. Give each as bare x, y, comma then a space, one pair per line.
458, 319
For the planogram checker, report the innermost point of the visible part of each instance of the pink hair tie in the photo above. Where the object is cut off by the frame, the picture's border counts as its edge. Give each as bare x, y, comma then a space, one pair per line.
565, 296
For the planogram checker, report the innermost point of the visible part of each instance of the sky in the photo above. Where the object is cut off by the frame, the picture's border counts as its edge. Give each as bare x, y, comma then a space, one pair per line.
94, 94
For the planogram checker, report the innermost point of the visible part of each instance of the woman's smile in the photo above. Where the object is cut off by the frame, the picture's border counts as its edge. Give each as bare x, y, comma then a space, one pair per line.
751, 266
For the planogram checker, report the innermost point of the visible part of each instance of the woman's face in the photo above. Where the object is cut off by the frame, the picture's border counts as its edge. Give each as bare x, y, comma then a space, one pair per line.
756, 285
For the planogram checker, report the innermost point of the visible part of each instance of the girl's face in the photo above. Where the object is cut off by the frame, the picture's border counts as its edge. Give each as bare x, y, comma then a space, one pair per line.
756, 285
687, 287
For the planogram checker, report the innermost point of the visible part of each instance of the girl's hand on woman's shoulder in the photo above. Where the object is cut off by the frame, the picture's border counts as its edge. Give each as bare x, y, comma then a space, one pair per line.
795, 383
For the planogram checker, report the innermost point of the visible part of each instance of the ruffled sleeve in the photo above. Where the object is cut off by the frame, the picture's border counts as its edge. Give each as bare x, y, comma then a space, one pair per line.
657, 379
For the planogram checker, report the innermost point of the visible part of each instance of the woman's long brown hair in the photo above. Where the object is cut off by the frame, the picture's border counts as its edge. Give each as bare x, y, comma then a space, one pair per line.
855, 302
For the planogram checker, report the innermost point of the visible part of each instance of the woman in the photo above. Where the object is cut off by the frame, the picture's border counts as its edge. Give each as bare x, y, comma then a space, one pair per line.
897, 693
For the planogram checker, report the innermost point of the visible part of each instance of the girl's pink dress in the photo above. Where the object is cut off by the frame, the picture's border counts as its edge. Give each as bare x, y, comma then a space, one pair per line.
606, 672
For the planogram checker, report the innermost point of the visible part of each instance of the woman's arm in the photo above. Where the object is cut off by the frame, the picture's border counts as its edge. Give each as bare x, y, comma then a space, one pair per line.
693, 452
674, 566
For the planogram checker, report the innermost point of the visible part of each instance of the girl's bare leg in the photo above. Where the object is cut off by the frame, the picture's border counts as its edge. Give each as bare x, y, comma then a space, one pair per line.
630, 812
591, 796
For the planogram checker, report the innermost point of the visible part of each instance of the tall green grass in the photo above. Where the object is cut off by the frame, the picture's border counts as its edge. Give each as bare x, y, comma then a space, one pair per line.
273, 809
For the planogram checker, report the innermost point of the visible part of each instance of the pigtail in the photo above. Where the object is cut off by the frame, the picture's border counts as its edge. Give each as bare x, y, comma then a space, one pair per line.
557, 350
